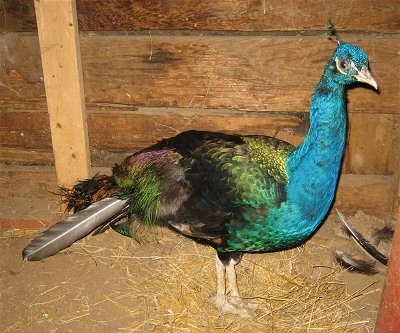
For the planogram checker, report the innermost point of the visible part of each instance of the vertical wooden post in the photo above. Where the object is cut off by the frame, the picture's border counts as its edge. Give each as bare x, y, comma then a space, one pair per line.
388, 320
59, 45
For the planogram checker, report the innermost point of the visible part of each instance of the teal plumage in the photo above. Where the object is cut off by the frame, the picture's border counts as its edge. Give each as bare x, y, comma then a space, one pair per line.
237, 193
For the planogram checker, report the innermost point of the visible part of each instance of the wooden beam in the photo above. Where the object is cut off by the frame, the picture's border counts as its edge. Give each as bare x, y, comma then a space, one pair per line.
252, 73
372, 148
388, 318
59, 46
239, 15
396, 206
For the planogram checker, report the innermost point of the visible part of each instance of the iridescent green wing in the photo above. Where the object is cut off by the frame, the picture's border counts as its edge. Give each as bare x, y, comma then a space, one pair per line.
149, 179
270, 154
263, 180
251, 174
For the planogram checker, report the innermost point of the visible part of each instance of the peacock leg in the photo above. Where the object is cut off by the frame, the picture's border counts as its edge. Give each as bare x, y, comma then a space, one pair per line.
221, 298
233, 289
226, 275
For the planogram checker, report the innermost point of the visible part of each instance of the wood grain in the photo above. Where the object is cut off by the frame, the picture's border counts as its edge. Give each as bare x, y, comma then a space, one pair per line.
397, 182
60, 50
130, 131
373, 144
369, 193
142, 88
242, 73
239, 15
371, 148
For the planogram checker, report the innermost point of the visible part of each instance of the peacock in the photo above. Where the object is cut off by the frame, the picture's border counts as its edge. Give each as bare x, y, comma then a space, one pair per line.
236, 193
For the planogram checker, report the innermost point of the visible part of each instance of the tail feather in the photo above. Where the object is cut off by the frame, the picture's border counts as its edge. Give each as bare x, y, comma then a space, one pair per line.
75, 227
88, 191
383, 234
111, 222
355, 264
365, 245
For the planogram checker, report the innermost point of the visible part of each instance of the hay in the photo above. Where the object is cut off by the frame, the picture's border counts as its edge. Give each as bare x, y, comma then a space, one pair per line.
166, 284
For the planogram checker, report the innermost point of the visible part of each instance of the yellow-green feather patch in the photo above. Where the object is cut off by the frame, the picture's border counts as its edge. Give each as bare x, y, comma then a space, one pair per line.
271, 154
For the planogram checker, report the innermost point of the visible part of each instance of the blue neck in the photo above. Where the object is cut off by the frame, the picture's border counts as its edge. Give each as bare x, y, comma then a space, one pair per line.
313, 171
314, 166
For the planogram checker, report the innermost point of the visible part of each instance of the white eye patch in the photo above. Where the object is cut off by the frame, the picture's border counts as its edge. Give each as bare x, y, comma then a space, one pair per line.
344, 65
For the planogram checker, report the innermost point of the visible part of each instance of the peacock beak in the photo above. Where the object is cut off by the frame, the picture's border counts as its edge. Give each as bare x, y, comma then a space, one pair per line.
365, 76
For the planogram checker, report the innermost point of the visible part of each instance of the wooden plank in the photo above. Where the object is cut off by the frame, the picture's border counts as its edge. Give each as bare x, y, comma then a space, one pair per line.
23, 156
274, 74
255, 74
397, 184
21, 74
371, 149
370, 193
140, 129
245, 15
388, 318
373, 144
28, 130
59, 44
117, 130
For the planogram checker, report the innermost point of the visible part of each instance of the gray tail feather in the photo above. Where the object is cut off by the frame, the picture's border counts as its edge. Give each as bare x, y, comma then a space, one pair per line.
383, 234
355, 264
73, 228
111, 222
365, 245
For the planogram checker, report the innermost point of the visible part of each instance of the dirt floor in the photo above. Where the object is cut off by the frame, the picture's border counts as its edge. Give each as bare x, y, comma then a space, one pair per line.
165, 283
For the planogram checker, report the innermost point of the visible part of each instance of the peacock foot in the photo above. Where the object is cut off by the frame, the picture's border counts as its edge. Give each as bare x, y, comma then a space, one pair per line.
237, 306
228, 299
236, 309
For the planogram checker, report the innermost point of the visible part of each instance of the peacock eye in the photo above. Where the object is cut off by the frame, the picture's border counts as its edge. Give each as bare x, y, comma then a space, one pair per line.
343, 65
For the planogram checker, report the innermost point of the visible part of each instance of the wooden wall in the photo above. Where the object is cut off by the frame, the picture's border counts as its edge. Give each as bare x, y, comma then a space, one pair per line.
154, 68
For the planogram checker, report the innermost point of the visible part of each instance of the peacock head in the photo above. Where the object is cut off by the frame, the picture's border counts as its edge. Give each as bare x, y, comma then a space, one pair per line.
350, 63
